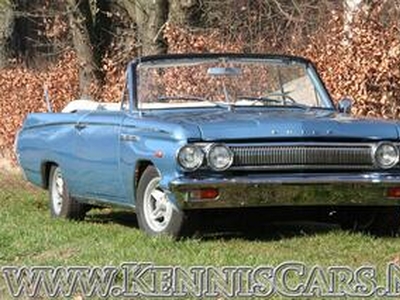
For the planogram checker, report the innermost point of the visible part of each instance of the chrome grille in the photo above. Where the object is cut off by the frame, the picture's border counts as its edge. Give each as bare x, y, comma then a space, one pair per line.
303, 156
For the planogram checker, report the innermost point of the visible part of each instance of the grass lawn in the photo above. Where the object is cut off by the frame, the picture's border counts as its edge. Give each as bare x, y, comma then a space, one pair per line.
28, 236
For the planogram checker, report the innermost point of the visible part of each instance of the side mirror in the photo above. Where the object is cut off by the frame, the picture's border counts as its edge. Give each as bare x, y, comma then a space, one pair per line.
344, 105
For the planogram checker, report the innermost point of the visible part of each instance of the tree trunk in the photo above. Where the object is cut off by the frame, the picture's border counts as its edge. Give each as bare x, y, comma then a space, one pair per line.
130, 7
102, 28
351, 9
183, 12
150, 19
81, 24
151, 15
6, 27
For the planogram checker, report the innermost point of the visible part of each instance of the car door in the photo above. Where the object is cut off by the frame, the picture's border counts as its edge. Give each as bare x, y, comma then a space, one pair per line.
97, 150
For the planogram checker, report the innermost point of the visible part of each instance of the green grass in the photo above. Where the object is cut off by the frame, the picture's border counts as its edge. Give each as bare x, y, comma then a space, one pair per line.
28, 236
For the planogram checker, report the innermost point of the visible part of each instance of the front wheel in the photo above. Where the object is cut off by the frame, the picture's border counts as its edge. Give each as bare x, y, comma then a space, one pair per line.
156, 214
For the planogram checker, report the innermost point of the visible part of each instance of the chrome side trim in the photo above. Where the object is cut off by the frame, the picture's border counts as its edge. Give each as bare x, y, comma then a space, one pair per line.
129, 137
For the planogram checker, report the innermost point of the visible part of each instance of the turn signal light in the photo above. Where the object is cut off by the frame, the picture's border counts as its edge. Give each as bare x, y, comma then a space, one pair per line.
204, 194
393, 192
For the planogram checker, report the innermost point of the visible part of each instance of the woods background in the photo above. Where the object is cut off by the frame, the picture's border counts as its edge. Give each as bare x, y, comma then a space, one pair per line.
80, 48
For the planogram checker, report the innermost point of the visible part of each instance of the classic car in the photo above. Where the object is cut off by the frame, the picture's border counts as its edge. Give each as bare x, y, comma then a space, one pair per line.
216, 131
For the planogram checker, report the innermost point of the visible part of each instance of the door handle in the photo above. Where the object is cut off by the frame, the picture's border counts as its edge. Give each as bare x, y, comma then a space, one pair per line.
129, 137
80, 126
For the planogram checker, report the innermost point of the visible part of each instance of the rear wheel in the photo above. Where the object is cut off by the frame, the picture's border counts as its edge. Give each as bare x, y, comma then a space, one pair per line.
156, 214
381, 221
61, 204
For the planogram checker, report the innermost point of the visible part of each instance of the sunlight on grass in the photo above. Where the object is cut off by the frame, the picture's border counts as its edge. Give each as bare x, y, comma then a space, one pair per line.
28, 236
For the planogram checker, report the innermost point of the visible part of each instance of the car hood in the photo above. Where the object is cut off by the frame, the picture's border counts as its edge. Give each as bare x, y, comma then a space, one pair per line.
279, 123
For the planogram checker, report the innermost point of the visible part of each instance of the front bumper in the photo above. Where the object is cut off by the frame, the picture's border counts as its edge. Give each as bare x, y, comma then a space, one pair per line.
291, 189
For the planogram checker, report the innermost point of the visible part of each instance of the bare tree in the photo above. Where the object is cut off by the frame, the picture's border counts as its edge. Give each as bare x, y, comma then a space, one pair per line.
81, 25
102, 28
150, 19
351, 9
183, 12
6, 26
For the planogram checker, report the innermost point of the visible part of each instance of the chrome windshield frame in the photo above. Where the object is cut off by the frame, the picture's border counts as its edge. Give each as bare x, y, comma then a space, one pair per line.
177, 59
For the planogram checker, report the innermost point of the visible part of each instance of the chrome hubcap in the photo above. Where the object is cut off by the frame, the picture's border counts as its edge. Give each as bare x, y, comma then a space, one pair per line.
156, 207
57, 191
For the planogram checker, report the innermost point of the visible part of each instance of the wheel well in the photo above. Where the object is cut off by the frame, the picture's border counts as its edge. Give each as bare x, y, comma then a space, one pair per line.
45, 171
140, 167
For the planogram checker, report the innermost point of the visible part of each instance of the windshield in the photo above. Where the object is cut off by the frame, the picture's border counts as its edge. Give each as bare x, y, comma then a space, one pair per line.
226, 82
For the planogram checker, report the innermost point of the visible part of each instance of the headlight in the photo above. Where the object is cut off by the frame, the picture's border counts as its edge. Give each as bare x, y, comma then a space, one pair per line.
386, 155
219, 157
190, 157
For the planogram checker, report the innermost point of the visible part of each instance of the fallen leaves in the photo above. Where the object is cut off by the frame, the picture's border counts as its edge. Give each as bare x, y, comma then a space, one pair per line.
367, 69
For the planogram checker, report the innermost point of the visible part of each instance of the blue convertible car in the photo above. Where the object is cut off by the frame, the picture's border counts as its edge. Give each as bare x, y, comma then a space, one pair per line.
215, 131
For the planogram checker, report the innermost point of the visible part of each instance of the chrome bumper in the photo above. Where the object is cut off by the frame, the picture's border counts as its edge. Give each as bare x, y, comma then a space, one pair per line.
293, 189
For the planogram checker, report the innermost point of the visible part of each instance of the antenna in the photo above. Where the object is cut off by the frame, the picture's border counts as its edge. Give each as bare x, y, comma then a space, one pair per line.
47, 98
